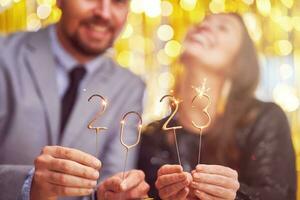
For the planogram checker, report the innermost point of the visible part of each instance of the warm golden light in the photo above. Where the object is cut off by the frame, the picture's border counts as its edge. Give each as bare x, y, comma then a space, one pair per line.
286, 97
264, 7
287, 3
173, 48
296, 22
5, 3
248, 2
166, 80
152, 8
33, 22
286, 71
165, 32
43, 11
166, 8
124, 58
137, 6
217, 6
283, 47
253, 26
188, 5
163, 58
127, 32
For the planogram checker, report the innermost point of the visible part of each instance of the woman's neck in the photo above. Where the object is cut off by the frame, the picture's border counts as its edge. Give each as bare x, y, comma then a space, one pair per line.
186, 93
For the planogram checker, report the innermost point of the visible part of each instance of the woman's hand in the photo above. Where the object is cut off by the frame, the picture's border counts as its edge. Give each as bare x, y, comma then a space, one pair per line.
132, 187
172, 182
215, 182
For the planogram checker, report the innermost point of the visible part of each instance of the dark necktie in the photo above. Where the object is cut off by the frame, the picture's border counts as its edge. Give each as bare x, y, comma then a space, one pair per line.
69, 98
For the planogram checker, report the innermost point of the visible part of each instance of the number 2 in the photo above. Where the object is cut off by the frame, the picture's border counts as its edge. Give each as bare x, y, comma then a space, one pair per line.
176, 102
98, 114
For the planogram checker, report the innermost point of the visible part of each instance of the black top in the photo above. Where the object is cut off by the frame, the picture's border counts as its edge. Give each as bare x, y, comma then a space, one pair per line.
267, 160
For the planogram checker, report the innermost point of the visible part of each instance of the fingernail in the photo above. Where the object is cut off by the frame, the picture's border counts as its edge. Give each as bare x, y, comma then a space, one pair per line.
198, 168
187, 190
123, 186
97, 163
194, 185
196, 175
96, 174
93, 183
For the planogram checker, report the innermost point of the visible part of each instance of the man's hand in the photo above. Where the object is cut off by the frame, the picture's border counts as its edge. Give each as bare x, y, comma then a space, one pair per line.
132, 187
215, 182
172, 182
61, 171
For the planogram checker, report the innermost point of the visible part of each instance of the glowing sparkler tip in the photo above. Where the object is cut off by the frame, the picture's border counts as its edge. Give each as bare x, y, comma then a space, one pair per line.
202, 89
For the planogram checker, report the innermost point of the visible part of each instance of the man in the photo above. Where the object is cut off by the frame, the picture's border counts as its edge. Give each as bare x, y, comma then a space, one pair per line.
46, 78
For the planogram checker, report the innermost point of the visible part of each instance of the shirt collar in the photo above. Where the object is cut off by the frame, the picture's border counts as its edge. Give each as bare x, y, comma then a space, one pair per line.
67, 61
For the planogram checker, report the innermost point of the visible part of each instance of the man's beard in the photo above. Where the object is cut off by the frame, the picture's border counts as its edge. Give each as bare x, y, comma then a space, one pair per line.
84, 49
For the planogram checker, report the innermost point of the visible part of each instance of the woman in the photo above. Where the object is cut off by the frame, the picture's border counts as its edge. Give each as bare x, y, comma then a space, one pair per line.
246, 151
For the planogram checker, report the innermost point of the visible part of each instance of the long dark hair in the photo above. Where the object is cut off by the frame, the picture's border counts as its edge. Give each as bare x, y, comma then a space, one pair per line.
244, 76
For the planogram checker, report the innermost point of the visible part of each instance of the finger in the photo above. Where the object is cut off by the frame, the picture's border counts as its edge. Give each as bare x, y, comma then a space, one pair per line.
58, 190
109, 195
191, 194
169, 169
189, 177
169, 179
192, 198
181, 195
72, 154
173, 189
68, 180
204, 196
138, 192
73, 168
215, 179
214, 190
133, 178
112, 184
217, 169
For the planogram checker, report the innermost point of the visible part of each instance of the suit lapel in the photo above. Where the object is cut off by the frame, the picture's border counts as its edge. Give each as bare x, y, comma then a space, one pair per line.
84, 111
42, 65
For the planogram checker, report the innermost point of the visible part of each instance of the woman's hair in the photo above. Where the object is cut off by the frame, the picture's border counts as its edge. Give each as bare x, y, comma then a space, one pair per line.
244, 76
221, 143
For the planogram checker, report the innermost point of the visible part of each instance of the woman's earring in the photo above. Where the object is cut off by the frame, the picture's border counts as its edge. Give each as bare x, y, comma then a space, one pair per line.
224, 97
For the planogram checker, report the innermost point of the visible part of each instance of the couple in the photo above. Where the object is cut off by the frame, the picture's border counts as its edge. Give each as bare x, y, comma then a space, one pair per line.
46, 149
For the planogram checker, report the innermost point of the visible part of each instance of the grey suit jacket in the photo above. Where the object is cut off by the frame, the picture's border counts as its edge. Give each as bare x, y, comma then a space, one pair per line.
30, 110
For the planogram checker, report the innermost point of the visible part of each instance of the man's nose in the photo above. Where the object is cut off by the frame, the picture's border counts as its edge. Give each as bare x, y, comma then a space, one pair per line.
104, 9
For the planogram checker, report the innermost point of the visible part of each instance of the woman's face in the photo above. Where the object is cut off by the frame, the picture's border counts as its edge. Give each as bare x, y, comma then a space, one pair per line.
214, 43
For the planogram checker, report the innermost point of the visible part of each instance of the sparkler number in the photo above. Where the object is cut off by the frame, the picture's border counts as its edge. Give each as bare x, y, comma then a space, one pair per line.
129, 146
174, 102
97, 129
202, 93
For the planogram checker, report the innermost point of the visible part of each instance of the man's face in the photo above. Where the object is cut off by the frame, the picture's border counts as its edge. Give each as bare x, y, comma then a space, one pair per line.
91, 26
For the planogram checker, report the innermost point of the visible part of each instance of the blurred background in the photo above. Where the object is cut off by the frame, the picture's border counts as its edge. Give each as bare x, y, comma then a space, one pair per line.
151, 43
